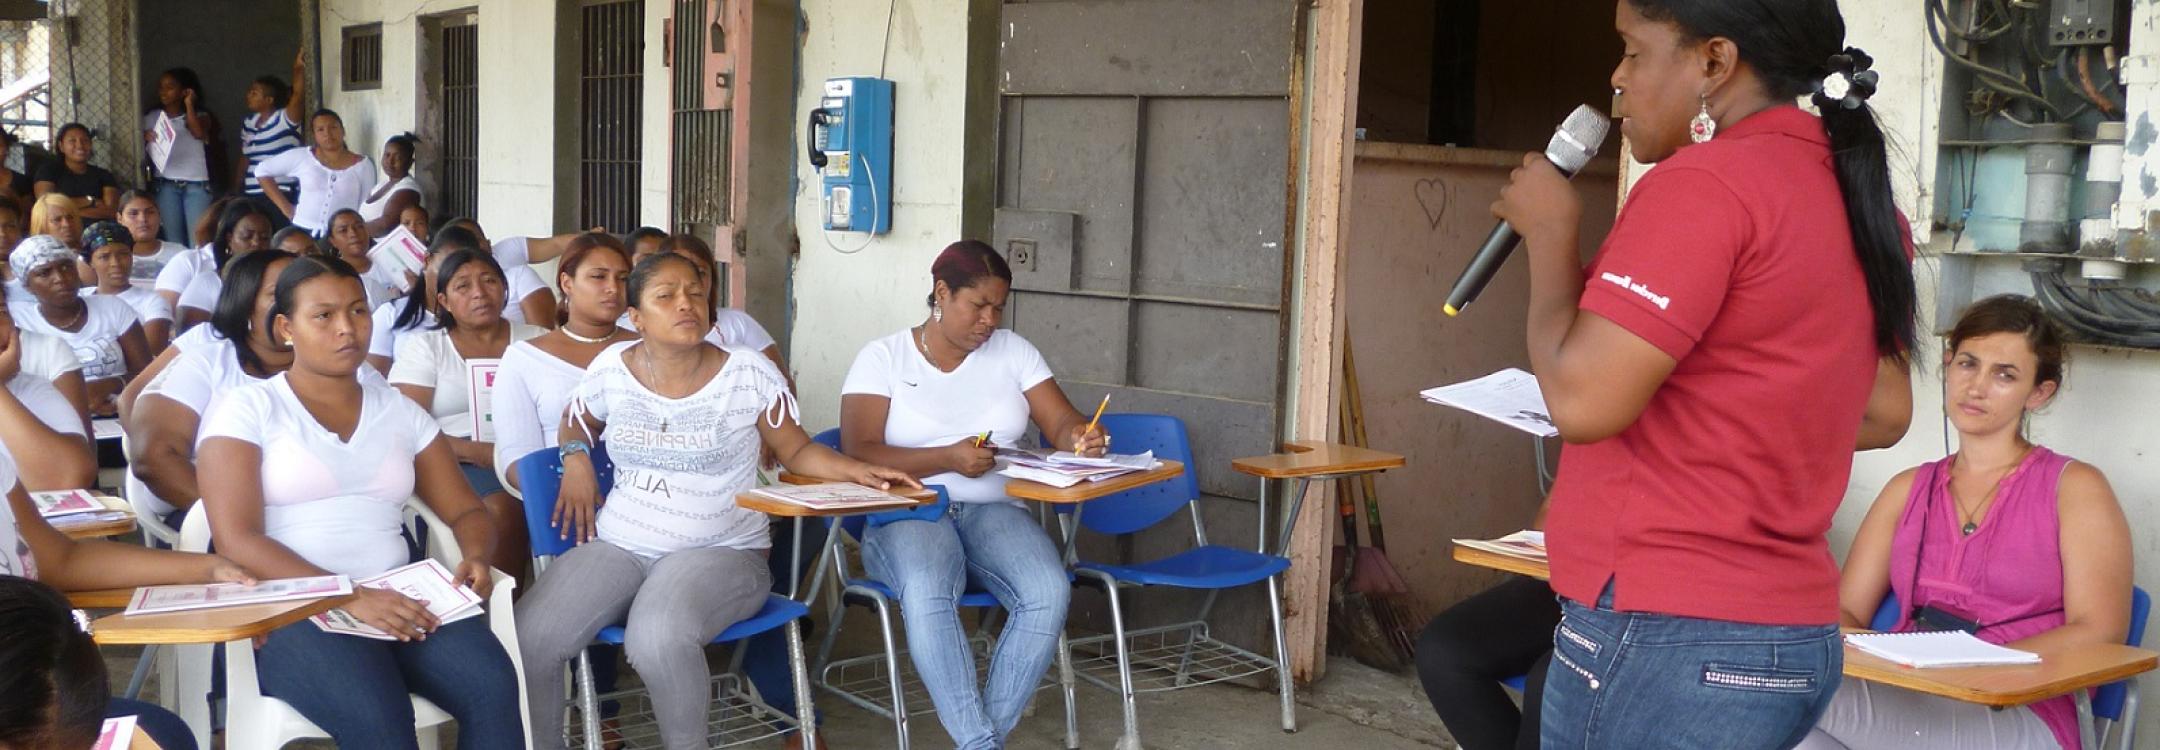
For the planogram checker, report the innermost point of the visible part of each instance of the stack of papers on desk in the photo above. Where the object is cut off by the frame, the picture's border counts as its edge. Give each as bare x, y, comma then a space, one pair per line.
1530, 544
1949, 648
1510, 397
1064, 469
832, 496
426, 581
158, 599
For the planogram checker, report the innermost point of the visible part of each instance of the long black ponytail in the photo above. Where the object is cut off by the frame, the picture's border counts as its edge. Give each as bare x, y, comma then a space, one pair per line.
1793, 45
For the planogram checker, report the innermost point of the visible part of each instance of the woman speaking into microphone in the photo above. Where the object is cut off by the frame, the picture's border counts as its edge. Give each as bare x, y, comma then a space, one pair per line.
1742, 329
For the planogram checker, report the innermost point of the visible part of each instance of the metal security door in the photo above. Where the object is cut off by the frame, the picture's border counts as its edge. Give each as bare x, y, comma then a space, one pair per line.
1142, 203
707, 151
611, 104
460, 76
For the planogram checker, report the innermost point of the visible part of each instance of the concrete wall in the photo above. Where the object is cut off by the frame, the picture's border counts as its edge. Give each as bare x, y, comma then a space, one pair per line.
850, 288
518, 91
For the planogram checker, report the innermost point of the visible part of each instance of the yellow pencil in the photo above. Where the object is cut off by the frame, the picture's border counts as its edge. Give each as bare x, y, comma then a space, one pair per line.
982, 437
1098, 415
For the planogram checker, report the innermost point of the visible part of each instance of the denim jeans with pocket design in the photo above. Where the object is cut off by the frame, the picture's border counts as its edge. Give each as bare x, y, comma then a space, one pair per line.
1622, 680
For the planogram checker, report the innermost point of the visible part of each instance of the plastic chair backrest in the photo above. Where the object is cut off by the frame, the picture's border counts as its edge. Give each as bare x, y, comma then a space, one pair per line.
540, 473
1139, 508
2107, 701
1885, 615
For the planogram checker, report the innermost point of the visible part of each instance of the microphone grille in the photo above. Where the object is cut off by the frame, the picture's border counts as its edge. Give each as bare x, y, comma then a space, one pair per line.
1578, 139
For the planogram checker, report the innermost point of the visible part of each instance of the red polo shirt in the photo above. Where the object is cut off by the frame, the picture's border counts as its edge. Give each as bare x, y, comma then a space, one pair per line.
1734, 257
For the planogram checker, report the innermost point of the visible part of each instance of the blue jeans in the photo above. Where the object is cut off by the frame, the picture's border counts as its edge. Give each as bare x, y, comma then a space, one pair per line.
162, 726
1643, 680
929, 563
179, 204
766, 661
357, 689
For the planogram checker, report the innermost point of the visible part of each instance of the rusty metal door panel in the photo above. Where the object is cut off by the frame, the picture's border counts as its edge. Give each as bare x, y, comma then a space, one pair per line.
1149, 48
1211, 183
1142, 190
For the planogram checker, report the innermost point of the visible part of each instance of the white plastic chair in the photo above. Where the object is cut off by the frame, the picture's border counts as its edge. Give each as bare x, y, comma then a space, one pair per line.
254, 721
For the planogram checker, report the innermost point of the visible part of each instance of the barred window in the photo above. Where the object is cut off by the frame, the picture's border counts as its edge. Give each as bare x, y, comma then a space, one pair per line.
363, 57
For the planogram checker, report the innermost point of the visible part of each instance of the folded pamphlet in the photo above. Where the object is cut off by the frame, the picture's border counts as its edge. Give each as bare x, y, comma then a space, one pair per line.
159, 599
833, 496
1947, 648
57, 503
426, 581
118, 733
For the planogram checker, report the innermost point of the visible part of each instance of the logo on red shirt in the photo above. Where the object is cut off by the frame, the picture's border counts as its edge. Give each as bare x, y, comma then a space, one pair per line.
1628, 283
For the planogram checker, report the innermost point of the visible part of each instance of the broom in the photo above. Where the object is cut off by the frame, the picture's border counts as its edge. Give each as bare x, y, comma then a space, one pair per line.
1350, 615
1372, 573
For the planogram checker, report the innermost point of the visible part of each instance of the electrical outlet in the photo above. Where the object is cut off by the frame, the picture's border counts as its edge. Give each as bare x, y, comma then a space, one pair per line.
2081, 23
1020, 254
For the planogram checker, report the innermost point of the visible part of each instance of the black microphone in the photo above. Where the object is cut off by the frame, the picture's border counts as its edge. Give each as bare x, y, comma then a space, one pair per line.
1572, 146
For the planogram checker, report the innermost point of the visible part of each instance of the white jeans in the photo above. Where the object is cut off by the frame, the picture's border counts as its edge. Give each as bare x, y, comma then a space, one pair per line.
1865, 715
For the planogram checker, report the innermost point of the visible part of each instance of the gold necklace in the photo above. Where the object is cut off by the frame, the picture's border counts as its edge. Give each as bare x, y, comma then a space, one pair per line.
1971, 525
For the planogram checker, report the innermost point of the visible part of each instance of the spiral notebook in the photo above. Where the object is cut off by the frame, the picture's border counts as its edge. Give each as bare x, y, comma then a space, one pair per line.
1950, 648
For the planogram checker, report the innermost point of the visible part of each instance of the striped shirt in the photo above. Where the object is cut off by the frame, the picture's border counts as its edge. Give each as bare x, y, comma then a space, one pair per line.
265, 136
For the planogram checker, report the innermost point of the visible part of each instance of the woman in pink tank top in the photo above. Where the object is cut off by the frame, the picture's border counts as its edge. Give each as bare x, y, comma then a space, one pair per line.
2005, 539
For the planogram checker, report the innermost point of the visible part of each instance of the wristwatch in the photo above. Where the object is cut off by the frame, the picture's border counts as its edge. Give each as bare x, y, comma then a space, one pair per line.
573, 447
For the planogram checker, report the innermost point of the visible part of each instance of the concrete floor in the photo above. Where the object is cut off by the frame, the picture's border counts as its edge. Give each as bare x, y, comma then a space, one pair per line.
1354, 708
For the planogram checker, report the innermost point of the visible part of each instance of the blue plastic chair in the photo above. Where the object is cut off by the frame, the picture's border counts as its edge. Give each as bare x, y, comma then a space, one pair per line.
2114, 705
540, 476
1172, 662
863, 591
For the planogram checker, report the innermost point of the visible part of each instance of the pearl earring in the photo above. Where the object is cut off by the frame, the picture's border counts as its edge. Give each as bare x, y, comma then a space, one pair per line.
937, 313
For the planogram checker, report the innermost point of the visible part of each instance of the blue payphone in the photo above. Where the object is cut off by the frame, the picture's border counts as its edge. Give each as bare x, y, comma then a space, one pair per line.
851, 145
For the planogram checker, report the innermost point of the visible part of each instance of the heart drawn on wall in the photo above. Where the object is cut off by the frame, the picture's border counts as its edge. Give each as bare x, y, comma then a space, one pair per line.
1432, 195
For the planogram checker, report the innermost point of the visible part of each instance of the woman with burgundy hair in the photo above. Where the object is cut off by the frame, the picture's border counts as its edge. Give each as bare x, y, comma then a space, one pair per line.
917, 400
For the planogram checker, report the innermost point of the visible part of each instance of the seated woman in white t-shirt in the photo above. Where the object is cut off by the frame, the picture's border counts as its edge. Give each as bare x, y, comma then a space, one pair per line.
306, 474
348, 238
108, 251
37, 420
242, 229
234, 350
539, 375
732, 328
916, 400
105, 332
436, 369
139, 213
385, 206
684, 421
528, 292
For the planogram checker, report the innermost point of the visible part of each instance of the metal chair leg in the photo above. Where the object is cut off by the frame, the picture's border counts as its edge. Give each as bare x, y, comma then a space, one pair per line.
1131, 739
892, 675
1065, 683
805, 712
142, 671
1282, 662
588, 700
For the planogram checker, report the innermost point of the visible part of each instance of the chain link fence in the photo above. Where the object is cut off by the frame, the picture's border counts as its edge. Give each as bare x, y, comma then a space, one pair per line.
77, 65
